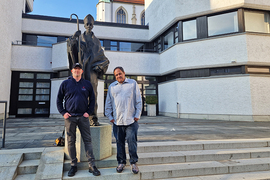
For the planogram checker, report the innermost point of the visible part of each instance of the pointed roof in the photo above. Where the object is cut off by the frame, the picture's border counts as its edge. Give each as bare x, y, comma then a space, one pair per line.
131, 1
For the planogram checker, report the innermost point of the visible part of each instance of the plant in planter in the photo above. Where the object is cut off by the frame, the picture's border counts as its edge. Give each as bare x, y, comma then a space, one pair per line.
151, 102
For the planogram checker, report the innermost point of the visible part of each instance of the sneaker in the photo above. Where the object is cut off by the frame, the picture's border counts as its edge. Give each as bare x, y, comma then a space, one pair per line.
72, 171
134, 168
94, 170
120, 168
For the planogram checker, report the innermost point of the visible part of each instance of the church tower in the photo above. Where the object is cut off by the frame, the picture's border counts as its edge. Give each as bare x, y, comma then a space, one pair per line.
121, 11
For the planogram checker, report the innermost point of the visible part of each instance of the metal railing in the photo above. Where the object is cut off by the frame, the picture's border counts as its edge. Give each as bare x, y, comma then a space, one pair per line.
4, 124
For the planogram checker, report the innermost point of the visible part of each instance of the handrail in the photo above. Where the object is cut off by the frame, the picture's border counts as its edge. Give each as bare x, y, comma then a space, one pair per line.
4, 124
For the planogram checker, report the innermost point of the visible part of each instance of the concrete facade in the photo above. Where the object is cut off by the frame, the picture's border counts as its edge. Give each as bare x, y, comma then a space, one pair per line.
227, 97
11, 23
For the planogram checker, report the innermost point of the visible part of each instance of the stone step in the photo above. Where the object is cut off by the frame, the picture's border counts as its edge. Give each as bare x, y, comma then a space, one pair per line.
26, 177
177, 170
169, 146
28, 167
183, 156
260, 175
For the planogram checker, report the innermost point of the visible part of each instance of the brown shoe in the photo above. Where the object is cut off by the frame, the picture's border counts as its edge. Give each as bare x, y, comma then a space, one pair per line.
134, 168
120, 168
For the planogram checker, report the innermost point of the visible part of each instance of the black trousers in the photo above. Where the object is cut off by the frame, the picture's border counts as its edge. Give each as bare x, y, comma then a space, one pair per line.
84, 126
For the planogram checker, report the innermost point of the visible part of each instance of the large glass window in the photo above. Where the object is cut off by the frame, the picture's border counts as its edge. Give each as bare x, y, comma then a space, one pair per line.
168, 40
256, 21
131, 47
222, 24
40, 40
121, 16
189, 30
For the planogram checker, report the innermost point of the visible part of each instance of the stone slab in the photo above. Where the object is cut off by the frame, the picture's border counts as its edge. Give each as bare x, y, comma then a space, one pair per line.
106, 174
10, 159
8, 172
49, 171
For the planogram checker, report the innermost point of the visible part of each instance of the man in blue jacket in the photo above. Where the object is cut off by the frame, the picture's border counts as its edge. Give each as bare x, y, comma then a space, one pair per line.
79, 103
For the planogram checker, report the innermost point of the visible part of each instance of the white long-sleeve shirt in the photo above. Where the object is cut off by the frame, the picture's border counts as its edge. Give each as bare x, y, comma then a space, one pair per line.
123, 102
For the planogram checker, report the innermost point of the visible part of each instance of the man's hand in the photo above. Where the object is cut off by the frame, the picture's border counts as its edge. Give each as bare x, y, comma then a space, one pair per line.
136, 119
86, 115
112, 121
66, 115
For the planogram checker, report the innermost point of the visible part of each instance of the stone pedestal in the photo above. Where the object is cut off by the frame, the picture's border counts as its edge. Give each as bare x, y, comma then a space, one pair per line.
151, 110
101, 142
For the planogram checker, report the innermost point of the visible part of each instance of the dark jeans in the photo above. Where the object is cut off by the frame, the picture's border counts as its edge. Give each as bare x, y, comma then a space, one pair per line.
129, 133
83, 123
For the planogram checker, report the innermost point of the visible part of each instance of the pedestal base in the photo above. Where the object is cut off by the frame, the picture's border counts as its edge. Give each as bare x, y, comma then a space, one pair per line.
101, 142
151, 110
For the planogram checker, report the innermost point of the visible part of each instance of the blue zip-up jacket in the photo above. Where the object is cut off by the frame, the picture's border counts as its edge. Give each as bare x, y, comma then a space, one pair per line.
78, 97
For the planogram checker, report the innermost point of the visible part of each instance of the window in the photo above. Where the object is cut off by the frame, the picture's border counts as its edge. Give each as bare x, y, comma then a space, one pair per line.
121, 16
189, 30
168, 40
222, 24
114, 45
143, 19
256, 21
40, 40
131, 47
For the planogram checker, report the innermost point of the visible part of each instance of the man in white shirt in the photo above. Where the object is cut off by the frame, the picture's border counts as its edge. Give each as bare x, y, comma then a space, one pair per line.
123, 108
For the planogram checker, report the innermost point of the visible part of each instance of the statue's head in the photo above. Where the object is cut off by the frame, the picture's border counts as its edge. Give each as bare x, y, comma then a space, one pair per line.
88, 22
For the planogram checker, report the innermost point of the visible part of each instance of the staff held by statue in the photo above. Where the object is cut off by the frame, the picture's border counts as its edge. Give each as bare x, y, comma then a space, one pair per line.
79, 42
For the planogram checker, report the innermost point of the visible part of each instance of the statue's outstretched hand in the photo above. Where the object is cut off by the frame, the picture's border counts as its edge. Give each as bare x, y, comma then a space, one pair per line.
77, 34
97, 69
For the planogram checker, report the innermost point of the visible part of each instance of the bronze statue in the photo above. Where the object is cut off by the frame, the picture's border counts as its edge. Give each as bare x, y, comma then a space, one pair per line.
91, 57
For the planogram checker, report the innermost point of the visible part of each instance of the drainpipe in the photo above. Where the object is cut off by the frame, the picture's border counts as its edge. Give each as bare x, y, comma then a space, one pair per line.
178, 110
111, 10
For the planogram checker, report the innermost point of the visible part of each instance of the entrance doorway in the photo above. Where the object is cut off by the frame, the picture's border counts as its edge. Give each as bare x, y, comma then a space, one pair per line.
30, 94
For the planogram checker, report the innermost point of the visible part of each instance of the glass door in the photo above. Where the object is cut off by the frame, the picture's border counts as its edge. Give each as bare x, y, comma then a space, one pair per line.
30, 94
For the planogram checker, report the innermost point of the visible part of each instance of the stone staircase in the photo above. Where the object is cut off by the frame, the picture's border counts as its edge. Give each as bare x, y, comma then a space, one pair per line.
196, 160
247, 159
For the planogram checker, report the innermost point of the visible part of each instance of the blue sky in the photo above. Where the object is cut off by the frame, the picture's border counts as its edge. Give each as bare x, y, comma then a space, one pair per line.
64, 8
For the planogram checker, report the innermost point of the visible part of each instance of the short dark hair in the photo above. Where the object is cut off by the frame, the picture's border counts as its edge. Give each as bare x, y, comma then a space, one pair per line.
119, 67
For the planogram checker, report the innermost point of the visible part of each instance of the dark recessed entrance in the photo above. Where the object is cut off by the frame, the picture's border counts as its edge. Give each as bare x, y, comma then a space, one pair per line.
30, 94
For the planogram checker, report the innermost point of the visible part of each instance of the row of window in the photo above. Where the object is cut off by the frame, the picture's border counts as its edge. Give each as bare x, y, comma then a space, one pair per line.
39, 40
191, 29
212, 25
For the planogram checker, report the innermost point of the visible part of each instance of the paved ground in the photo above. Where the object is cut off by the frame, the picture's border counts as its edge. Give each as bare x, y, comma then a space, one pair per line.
41, 132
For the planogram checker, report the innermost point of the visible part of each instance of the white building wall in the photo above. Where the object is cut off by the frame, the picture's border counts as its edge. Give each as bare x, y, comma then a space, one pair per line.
204, 53
227, 98
258, 48
135, 63
161, 14
104, 12
68, 29
11, 21
31, 58
259, 87
60, 57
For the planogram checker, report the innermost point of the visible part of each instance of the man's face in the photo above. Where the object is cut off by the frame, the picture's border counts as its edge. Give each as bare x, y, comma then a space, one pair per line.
88, 25
119, 75
76, 72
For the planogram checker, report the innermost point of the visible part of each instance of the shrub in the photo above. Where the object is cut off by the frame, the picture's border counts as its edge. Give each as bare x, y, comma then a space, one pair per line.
151, 99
